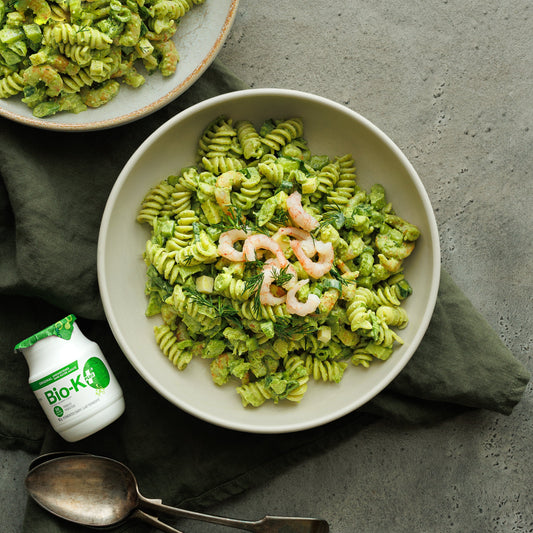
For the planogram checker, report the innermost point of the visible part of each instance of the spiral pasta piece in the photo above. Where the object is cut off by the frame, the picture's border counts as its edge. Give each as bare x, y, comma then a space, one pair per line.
162, 260
154, 201
249, 192
325, 370
254, 394
75, 82
387, 293
80, 53
289, 384
65, 33
359, 309
183, 231
327, 178
266, 192
220, 164
232, 288
204, 250
250, 140
284, 132
272, 171
170, 8
59, 13
295, 366
179, 200
11, 85
217, 139
297, 394
361, 357
346, 185
306, 343
251, 311
385, 336
178, 352
393, 316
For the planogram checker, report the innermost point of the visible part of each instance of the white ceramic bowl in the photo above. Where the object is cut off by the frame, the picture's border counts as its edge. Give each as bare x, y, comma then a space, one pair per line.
200, 36
330, 129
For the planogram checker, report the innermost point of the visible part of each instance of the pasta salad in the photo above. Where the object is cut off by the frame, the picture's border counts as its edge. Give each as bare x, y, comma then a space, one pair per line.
272, 263
69, 55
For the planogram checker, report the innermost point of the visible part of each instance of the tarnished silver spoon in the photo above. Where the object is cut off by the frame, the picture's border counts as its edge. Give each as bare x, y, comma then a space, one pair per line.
101, 492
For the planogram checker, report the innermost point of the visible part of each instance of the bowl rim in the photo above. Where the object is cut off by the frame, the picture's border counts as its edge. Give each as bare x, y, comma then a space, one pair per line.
435, 253
148, 109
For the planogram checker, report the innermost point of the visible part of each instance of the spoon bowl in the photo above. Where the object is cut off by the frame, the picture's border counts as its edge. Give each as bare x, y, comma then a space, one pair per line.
97, 491
92, 491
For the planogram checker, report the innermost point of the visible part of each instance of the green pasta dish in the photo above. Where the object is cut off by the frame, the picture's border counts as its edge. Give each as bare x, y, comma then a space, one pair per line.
69, 55
272, 263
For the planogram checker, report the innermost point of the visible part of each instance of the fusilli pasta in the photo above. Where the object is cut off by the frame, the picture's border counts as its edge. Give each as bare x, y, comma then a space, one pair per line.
273, 263
50, 49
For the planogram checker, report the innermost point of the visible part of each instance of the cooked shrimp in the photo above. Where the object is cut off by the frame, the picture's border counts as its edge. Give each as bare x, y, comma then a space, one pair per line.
298, 215
260, 241
102, 95
390, 264
169, 57
40, 8
295, 307
226, 242
265, 293
224, 184
391, 248
316, 269
48, 75
305, 238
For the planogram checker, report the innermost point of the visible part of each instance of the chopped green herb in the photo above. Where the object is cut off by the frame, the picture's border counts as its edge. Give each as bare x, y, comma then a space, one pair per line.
281, 276
222, 309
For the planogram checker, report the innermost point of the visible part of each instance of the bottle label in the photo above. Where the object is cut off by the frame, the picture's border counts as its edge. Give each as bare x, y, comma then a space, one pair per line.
74, 388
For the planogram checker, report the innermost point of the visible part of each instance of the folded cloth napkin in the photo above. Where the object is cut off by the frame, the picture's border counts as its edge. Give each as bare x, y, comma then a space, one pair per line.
53, 192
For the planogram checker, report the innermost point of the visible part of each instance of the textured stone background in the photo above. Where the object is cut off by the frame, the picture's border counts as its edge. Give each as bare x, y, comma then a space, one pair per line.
451, 83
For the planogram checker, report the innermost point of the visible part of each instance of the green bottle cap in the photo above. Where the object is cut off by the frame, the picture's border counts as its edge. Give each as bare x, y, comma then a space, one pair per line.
62, 328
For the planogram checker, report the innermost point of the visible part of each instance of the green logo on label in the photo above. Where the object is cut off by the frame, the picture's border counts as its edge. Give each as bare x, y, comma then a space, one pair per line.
58, 411
96, 374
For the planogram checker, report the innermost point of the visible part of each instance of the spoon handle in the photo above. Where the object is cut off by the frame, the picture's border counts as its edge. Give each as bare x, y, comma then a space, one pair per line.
160, 508
154, 522
269, 524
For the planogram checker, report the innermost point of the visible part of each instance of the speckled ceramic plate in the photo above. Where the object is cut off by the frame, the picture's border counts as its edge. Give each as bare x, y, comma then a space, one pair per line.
200, 36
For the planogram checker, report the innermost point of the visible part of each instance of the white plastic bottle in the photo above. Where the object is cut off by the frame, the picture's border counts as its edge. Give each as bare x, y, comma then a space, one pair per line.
72, 380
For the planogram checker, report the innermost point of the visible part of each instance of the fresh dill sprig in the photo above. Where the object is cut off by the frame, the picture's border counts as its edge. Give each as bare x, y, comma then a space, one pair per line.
280, 217
253, 283
198, 297
286, 329
281, 276
335, 217
234, 217
219, 306
252, 286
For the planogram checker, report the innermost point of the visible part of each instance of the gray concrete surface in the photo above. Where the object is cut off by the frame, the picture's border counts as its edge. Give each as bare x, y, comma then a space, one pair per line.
451, 83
